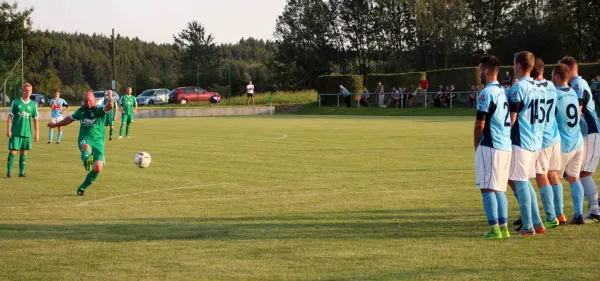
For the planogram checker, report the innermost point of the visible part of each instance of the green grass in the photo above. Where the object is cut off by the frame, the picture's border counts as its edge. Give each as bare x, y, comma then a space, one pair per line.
273, 198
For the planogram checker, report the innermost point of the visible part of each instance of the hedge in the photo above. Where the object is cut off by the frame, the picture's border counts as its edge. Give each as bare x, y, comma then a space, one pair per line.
462, 78
330, 84
403, 80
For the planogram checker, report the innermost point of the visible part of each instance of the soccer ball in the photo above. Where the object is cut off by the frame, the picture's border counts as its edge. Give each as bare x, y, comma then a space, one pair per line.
142, 159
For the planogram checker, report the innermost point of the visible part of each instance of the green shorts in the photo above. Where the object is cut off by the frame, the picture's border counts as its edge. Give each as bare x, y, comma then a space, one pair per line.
127, 118
19, 143
109, 120
97, 152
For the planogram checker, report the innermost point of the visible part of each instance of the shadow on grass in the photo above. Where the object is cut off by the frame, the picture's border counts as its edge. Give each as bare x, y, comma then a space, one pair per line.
419, 223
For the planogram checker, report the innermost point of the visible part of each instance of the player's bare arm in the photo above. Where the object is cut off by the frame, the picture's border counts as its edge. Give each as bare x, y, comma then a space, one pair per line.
478, 131
36, 124
8, 125
62, 123
66, 109
110, 105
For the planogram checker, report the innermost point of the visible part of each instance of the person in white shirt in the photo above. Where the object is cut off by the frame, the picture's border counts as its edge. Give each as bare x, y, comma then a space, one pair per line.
250, 92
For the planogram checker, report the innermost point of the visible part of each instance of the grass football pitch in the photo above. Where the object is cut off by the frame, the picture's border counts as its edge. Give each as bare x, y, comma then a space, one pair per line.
273, 198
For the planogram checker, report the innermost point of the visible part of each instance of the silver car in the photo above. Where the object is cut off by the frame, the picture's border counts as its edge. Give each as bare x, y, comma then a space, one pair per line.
153, 96
101, 94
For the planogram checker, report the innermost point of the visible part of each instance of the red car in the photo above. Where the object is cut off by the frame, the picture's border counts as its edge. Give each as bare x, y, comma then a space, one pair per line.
183, 95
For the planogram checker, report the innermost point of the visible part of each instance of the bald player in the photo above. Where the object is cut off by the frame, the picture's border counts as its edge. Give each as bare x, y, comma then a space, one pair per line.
91, 136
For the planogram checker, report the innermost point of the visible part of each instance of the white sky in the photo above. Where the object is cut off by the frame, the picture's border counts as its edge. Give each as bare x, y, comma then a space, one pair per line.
153, 20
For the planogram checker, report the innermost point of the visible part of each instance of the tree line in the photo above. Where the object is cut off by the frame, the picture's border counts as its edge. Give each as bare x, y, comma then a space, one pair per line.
312, 38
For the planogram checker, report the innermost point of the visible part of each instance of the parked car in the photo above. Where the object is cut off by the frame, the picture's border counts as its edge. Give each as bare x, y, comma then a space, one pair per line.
39, 99
183, 95
2, 101
101, 94
153, 96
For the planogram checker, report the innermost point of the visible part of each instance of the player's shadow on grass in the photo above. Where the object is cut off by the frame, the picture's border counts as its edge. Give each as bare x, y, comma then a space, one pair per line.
414, 224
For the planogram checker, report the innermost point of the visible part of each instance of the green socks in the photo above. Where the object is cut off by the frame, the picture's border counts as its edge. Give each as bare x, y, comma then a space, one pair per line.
121, 130
89, 179
111, 132
84, 155
127, 130
22, 164
11, 162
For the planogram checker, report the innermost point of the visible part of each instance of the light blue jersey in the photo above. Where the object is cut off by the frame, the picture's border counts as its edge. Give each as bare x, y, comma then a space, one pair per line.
551, 135
496, 132
57, 107
567, 119
589, 122
528, 130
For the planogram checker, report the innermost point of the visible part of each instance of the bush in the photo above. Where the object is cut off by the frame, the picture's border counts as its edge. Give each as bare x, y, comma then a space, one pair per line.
409, 80
330, 84
462, 78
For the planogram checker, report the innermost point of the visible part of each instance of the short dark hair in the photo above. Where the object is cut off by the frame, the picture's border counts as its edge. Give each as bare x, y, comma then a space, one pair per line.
525, 59
562, 70
491, 63
569, 61
538, 68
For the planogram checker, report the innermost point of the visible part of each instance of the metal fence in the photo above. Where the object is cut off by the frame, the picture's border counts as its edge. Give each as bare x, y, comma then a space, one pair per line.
402, 100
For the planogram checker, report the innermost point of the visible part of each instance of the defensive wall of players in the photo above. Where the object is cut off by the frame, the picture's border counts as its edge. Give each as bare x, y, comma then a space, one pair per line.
182, 112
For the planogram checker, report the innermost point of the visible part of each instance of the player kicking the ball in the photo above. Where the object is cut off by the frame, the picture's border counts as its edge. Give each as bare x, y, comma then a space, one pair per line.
548, 160
91, 136
492, 148
18, 130
590, 129
526, 135
571, 141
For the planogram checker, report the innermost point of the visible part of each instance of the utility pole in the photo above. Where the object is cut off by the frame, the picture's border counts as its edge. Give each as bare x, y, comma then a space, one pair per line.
114, 62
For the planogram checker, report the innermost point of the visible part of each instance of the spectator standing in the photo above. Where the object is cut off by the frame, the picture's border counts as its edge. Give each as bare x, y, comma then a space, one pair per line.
347, 95
594, 84
250, 92
507, 77
379, 90
452, 94
437, 100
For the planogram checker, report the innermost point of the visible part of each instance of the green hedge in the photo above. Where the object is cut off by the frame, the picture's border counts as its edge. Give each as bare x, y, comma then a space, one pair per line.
330, 84
399, 80
462, 78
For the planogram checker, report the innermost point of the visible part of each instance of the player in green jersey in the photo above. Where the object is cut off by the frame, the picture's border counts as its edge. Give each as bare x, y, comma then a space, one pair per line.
110, 118
128, 108
18, 129
91, 136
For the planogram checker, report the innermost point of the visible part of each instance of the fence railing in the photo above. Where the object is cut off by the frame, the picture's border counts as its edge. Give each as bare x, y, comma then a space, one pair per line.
401, 100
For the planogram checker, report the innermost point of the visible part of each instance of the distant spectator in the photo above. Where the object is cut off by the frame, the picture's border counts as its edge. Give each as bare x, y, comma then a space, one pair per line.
594, 84
347, 95
395, 97
507, 77
472, 97
437, 99
514, 81
405, 95
250, 92
379, 90
364, 97
452, 94
215, 99
424, 85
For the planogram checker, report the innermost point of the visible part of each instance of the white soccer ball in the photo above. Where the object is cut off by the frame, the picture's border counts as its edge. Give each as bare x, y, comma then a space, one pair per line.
143, 159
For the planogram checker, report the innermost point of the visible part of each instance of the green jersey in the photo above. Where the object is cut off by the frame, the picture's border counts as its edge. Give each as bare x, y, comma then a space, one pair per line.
128, 103
92, 125
22, 113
